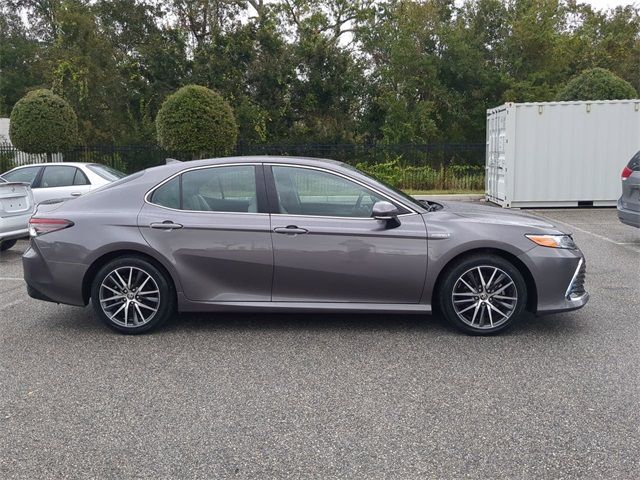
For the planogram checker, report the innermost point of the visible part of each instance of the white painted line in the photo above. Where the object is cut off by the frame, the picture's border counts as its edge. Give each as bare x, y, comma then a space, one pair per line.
15, 279
601, 237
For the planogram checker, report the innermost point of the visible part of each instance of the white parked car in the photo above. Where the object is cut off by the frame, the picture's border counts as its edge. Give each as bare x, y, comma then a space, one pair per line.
52, 181
16, 207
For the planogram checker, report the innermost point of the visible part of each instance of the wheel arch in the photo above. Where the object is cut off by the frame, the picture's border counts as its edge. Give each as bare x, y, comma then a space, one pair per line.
532, 291
105, 258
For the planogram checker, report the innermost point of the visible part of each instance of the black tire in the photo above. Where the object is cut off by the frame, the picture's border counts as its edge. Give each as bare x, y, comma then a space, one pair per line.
7, 244
483, 302
165, 305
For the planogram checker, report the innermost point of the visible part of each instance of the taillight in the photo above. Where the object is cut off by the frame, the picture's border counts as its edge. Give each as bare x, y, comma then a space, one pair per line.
40, 226
626, 173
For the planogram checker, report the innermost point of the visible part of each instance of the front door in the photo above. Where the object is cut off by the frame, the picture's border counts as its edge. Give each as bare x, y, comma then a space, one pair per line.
212, 225
327, 248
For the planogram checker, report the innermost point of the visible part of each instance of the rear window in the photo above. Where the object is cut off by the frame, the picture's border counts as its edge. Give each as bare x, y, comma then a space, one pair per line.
108, 173
634, 163
25, 174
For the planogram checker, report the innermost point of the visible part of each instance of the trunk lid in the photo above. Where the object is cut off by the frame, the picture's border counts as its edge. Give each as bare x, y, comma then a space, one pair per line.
15, 199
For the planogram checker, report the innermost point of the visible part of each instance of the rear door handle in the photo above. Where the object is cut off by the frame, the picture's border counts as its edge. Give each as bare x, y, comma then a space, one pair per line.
291, 230
76, 194
166, 225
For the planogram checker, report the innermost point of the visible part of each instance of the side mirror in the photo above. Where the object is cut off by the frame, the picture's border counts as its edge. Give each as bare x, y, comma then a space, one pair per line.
385, 211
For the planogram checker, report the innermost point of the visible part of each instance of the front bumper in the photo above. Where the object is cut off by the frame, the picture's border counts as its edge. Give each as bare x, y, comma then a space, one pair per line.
559, 276
628, 217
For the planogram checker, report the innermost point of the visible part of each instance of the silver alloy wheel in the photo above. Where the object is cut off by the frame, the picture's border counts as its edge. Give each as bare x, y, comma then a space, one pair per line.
129, 296
484, 297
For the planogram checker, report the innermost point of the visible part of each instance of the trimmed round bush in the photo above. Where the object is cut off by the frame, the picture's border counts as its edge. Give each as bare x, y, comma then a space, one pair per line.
43, 122
597, 84
196, 122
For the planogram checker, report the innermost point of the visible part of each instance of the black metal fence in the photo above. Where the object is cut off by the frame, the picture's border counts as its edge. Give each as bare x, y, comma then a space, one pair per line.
409, 166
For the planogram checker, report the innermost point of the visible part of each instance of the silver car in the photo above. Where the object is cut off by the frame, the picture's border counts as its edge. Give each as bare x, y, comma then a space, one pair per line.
50, 181
16, 207
294, 234
629, 202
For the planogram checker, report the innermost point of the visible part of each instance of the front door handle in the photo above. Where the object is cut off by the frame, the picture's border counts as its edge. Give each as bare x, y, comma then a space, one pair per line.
291, 230
166, 225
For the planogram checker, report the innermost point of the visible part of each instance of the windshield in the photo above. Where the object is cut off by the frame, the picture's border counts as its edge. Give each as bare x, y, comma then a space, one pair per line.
105, 172
404, 195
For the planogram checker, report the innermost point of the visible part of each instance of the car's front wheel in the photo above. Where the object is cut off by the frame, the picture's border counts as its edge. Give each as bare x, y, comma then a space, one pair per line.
483, 294
132, 295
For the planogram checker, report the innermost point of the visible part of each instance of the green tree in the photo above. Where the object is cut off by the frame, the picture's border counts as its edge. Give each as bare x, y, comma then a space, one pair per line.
196, 122
42, 122
597, 84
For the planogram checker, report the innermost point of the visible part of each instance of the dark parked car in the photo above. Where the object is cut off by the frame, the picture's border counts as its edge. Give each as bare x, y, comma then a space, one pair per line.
294, 234
629, 202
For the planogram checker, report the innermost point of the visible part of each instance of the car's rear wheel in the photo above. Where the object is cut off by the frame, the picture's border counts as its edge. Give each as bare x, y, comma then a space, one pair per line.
7, 244
483, 294
132, 295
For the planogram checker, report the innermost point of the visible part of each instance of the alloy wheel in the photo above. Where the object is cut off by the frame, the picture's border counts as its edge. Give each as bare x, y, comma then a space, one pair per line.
484, 297
129, 296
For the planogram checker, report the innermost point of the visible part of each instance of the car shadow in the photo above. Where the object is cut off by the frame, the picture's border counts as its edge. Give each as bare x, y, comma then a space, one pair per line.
86, 321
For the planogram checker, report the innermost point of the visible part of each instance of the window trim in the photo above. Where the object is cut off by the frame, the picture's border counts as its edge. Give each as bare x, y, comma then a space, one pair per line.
259, 178
273, 194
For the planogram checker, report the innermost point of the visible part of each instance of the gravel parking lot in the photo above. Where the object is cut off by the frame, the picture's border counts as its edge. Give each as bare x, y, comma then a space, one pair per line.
329, 396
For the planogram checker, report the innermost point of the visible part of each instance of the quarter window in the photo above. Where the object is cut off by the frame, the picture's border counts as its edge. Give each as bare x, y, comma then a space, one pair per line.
303, 191
168, 195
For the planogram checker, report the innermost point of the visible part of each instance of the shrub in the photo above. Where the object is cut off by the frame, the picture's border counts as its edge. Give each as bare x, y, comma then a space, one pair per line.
196, 122
43, 122
597, 84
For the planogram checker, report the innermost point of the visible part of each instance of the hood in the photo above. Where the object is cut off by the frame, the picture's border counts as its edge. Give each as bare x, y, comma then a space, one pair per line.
496, 215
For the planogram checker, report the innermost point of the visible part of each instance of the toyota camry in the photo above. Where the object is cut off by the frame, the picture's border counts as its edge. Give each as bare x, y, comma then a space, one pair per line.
294, 234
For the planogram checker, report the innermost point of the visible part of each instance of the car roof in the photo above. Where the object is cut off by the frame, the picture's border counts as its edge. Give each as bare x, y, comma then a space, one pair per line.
306, 161
50, 164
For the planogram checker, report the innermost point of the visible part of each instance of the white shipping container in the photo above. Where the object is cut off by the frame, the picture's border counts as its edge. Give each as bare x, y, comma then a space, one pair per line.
559, 154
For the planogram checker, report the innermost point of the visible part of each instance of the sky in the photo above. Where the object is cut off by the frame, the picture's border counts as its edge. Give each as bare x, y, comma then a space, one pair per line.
600, 4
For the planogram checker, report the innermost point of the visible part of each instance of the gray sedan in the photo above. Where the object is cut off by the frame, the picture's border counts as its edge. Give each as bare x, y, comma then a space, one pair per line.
293, 234
629, 202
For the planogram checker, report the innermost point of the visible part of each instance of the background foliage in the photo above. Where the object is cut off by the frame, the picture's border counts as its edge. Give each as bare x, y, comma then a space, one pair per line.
196, 122
296, 71
597, 84
43, 122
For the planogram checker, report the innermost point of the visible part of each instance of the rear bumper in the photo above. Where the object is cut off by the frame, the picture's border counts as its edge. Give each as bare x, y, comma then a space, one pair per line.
628, 217
40, 274
14, 227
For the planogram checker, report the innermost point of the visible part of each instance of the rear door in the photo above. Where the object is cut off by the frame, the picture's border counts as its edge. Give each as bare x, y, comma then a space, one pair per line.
327, 248
212, 224
60, 181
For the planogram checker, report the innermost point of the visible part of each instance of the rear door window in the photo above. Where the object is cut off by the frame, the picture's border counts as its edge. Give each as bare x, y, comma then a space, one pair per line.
58, 176
220, 189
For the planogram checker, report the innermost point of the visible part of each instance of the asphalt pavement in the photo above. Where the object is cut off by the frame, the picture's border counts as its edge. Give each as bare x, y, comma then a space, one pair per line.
265, 396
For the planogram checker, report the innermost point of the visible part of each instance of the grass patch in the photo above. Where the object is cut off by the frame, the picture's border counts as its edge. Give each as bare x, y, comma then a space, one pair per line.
444, 192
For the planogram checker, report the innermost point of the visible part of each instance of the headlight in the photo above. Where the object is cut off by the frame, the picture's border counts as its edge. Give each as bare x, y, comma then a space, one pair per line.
553, 241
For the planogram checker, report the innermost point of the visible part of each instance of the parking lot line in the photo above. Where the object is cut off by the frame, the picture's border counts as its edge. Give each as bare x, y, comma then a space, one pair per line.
18, 279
